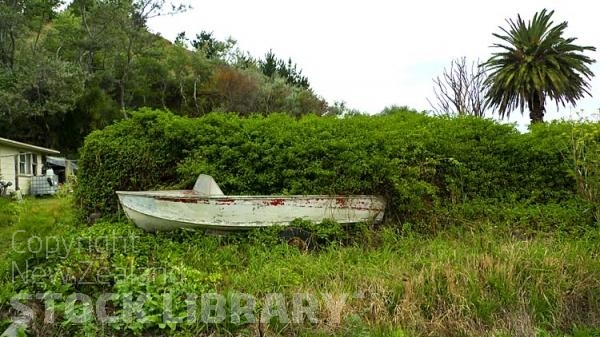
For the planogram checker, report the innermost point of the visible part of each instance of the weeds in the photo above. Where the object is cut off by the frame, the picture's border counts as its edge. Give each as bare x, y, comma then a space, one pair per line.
584, 158
401, 283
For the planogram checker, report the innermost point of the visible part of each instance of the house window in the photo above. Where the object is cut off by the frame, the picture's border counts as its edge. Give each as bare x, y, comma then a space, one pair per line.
24, 163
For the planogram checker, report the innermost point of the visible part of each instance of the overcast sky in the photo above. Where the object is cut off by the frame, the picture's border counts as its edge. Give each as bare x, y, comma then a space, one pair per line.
377, 53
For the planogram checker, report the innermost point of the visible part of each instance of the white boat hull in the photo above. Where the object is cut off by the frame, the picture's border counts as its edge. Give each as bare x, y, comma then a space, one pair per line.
168, 210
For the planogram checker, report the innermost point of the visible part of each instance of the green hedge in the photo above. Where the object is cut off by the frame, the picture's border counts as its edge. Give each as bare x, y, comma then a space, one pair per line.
418, 162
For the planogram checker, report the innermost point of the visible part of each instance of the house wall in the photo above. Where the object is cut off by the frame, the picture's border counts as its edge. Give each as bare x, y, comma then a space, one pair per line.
7, 168
7, 164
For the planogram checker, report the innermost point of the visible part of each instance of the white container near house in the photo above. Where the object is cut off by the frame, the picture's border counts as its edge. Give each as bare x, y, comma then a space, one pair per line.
45, 185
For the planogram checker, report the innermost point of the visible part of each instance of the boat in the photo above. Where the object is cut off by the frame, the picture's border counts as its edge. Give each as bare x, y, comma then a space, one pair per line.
206, 207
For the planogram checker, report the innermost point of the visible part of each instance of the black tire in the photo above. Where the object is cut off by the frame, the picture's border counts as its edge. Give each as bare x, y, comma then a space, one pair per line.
298, 237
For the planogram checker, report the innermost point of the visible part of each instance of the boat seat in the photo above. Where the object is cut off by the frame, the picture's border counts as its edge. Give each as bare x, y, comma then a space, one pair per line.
206, 185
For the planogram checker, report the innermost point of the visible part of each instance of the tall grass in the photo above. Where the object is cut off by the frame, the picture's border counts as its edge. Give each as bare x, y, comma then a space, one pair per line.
475, 282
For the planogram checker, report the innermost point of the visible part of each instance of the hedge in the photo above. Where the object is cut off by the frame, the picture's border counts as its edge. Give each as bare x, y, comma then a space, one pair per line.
418, 162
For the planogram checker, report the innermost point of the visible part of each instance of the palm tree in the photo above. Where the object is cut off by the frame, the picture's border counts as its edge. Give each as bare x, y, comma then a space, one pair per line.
536, 62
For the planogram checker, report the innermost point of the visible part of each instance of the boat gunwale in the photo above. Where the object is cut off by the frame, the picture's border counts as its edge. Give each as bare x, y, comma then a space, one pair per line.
190, 194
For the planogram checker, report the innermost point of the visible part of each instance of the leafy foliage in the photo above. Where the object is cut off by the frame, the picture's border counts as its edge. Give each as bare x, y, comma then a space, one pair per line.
419, 163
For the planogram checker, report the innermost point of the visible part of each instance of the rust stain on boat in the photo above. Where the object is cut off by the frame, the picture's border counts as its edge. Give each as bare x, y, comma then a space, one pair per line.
277, 202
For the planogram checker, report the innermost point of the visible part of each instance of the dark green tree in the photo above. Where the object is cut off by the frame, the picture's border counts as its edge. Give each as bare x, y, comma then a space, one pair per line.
289, 71
536, 62
212, 48
292, 74
38, 94
22, 18
37, 87
268, 66
11, 27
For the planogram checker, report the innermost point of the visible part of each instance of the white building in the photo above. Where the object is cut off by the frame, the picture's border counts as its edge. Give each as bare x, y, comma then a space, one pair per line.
19, 162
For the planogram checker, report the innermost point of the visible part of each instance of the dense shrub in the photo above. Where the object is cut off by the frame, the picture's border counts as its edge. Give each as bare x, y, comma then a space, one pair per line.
418, 162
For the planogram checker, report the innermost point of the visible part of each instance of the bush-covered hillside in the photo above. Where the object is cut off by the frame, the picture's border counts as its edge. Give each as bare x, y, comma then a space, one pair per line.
68, 70
422, 164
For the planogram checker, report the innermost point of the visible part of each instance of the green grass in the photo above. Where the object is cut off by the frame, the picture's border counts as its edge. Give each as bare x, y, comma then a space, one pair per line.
469, 282
18, 222
8, 214
31, 218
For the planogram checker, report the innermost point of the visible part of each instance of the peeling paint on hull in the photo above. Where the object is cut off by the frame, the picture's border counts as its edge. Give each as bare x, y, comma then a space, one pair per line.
168, 210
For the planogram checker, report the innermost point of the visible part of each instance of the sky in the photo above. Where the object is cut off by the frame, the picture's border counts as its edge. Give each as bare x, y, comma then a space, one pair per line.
378, 53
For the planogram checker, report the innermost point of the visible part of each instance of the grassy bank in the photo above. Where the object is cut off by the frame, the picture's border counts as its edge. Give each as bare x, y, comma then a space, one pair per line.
480, 279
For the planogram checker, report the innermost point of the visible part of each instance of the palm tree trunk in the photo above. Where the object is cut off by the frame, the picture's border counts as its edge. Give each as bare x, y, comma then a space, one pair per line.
536, 108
